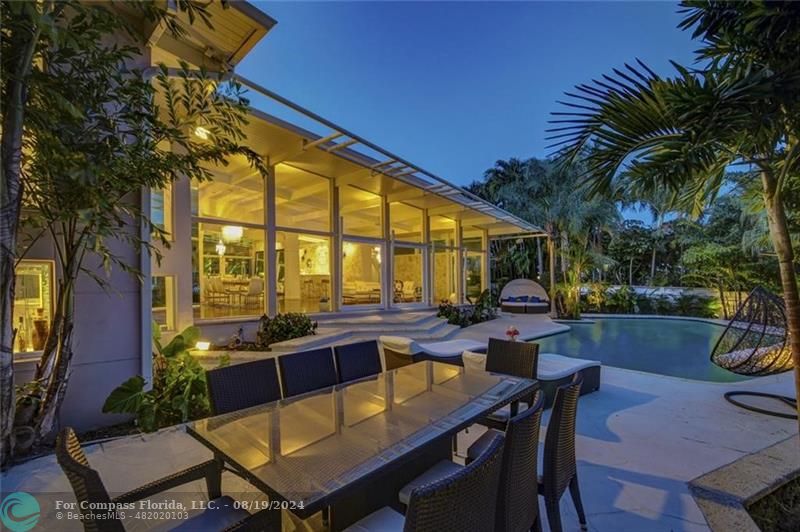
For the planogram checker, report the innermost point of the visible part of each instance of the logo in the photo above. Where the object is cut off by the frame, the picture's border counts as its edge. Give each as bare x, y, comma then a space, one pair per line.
19, 511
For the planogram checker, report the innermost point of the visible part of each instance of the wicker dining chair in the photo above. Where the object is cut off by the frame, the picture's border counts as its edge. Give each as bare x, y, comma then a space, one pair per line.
520, 359
242, 386
89, 489
306, 371
354, 361
464, 500
560, 470
518, 500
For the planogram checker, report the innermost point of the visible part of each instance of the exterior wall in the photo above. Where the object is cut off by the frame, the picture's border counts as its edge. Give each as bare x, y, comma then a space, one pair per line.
107, 340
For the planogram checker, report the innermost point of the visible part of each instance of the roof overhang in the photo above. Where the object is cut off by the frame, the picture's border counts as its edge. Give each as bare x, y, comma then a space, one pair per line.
237, 27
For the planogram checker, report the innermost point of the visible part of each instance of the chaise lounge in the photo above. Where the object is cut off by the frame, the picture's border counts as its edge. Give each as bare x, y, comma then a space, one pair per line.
399, 351
553, 371
523, 296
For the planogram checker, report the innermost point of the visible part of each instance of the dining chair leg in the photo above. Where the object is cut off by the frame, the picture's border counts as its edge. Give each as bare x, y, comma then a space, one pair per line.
553, 513
575, 493
214, 480
537, 525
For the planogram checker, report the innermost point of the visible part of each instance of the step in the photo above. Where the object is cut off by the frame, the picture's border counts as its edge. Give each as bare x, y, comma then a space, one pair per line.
442, 331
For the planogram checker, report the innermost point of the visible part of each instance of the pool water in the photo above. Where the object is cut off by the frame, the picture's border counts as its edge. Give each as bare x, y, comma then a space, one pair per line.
675, 347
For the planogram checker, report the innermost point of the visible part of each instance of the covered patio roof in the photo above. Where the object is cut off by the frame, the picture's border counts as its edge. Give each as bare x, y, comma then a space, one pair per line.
329, 150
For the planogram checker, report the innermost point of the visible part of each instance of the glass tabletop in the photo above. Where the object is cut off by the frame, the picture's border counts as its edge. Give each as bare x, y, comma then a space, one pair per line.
306, 447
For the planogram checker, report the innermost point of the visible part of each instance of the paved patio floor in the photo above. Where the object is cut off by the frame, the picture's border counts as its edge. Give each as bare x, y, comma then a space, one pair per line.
642, 437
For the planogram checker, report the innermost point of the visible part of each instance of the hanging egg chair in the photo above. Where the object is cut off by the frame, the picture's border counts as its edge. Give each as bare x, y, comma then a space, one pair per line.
755, 343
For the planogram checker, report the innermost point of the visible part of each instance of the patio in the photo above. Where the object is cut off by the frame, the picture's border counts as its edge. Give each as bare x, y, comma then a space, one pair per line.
641, 439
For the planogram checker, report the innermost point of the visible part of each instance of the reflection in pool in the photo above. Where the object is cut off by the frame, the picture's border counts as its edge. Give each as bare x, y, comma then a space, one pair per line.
667, 346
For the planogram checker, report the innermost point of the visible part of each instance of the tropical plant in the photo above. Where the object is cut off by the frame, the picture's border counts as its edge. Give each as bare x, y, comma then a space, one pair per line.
284, 327
681, 133
93, 136
484, 309
179, 392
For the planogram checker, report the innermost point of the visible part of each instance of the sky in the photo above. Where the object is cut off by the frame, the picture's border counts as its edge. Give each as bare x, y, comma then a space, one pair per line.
453, 87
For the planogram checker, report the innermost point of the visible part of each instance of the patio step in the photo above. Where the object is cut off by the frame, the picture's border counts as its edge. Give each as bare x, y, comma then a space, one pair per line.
425, 328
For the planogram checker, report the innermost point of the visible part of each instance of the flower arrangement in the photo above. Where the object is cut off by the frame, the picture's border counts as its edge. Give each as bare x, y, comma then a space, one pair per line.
512, 333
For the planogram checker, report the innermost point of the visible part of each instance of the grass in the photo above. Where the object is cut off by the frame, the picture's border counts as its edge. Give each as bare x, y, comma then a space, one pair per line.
780, 510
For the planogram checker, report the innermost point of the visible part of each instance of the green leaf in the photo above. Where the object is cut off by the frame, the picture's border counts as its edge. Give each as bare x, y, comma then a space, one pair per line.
127, 398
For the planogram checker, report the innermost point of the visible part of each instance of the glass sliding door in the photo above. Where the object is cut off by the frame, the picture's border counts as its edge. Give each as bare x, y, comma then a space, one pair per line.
362, 273
408, 264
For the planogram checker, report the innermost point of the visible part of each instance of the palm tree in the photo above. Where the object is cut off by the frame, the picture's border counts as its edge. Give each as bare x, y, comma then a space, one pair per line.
680, 134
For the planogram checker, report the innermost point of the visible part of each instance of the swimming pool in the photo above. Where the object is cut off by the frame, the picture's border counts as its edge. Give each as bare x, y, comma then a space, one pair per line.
667, 346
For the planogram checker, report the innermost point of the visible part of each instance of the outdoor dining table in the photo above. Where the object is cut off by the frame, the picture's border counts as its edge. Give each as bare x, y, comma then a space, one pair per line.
350, 448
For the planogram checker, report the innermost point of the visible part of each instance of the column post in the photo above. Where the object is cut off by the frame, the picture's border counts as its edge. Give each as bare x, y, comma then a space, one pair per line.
270, 251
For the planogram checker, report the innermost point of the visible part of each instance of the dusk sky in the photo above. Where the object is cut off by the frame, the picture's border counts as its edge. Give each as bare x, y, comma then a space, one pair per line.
455, 86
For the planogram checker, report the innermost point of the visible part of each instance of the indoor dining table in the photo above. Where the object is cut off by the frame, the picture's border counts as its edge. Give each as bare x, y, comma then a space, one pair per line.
349, 448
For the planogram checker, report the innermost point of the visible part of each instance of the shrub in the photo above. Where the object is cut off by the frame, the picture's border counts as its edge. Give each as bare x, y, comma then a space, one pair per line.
484, 309
622, 300
283, 327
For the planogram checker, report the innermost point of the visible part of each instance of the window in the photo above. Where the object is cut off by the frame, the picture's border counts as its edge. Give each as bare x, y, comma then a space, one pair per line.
303, 272
302, 199
361, 273
33, 304
163, 301
232, 197
228, 270
472, 239
161, 209
408, 274
443, 231
406, 222
361, 212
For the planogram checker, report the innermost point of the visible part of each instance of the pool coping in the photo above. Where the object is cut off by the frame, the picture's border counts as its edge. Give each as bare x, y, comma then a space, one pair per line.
724, 494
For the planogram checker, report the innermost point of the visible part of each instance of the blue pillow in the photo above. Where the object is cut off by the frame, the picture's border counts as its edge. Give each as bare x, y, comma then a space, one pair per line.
534, 299
521, 299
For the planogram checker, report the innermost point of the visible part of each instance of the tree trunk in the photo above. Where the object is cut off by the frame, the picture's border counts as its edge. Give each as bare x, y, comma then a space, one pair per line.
630, 272
781, 240
551, 255
24, 44
539, 258
653, 267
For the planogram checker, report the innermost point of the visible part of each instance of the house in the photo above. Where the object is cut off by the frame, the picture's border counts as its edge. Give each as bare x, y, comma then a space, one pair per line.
339, 225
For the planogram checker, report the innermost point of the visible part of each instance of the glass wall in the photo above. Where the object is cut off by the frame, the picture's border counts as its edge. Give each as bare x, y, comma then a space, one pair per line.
408, 274
163, 301
33, 304
302, 199
361, 273
229, 271
405, 222
445, 272
361, 212
231, 198
443, 231
303, 272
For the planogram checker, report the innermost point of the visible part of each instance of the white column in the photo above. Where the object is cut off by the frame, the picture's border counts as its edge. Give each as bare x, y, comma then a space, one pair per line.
427, 294
270, 254
387, 267
459, 273
336, 250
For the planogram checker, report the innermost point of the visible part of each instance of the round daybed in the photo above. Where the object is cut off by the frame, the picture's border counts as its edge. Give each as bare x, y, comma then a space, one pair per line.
523, 296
